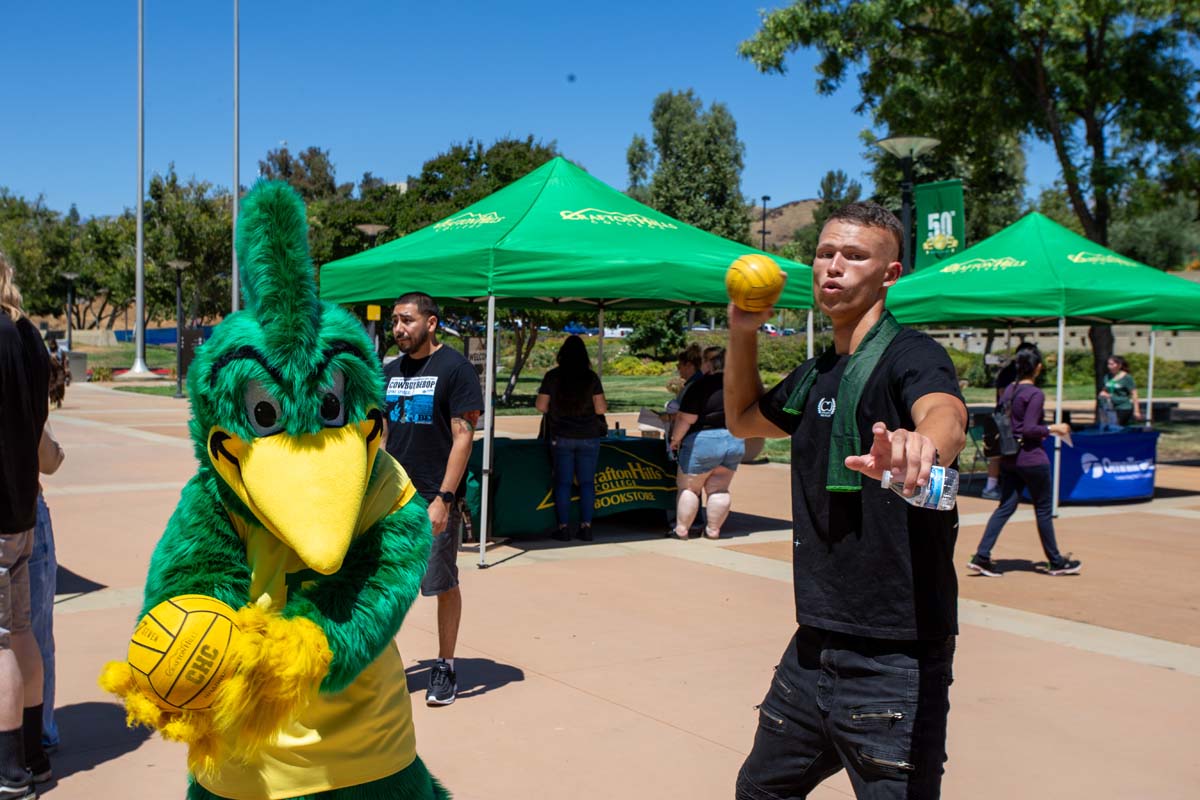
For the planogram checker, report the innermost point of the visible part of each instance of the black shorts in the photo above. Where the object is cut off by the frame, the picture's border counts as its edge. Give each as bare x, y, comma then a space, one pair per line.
442, 573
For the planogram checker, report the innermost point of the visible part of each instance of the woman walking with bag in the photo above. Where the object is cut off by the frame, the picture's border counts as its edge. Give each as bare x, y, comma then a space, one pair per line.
1028, 468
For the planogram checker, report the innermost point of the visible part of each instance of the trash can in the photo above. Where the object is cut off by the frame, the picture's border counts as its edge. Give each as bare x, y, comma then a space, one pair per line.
77, 364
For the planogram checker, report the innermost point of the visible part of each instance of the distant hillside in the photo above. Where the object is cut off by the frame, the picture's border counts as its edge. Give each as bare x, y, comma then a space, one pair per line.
782, 222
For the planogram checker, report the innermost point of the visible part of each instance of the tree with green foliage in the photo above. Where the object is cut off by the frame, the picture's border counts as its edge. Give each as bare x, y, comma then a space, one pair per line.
188, 221
693, 168
1109, 85
660, 336
311, 173
835, 191
465, 174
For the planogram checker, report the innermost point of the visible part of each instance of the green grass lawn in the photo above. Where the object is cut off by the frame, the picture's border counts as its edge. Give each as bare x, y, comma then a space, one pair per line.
121, 356
1179, 440
164, 390
624, 393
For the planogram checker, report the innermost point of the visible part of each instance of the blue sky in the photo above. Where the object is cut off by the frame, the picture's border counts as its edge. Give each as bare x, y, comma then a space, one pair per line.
386, 85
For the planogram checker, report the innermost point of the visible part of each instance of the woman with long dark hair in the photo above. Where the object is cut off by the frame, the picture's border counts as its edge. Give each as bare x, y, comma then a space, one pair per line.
1028, 469
572, 398
1120, 391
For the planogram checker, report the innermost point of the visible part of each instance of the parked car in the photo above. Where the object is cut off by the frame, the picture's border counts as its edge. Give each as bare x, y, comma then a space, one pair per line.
769, 329
788, 331
575, 328
701, 328
619, 332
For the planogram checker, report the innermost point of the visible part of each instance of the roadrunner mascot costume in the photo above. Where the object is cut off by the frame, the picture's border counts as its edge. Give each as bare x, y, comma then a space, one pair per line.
298, 519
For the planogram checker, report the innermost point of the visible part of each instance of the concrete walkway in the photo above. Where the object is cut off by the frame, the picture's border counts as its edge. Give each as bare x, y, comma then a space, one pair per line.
631, 667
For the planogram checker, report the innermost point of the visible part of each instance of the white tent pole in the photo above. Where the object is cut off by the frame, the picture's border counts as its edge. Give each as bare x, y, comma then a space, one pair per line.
1058, 413
1150, 381
600, 344
809, 333
489, 429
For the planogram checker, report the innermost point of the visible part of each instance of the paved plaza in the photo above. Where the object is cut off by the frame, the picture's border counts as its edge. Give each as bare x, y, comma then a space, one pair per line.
631, 667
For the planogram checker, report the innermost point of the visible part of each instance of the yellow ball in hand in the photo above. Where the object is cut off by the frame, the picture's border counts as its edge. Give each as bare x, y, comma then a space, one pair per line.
754, 282
179, 652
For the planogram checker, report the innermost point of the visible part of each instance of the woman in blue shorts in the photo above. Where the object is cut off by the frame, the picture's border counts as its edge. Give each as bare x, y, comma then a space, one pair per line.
708, 453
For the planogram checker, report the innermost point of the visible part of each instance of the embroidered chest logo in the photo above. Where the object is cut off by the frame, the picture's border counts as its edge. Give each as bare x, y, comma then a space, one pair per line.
826, 406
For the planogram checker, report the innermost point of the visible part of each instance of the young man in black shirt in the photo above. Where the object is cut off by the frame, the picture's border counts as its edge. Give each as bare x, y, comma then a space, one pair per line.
24, 404
432, 403
864, 683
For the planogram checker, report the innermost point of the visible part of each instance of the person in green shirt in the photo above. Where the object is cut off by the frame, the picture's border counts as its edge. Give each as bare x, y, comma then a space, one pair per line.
1120, 390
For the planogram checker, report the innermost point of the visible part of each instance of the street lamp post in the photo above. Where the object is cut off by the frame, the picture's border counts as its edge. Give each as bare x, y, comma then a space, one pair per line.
907, 149
179, 266
765, 199
70, 278
372, 231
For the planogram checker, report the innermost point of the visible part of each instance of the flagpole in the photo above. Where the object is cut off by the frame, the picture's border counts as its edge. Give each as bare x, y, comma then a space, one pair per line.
237, 183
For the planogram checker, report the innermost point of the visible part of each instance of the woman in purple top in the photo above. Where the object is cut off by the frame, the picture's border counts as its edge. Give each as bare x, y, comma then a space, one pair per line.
1028, 469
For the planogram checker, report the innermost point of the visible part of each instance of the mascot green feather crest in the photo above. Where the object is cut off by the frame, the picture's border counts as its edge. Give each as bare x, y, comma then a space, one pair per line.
299, 521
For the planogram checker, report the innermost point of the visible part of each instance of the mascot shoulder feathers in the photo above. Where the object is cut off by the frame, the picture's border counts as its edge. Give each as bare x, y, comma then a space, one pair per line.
313, 536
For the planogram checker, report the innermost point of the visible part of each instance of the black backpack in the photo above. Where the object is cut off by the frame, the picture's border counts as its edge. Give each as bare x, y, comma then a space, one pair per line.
1006, 443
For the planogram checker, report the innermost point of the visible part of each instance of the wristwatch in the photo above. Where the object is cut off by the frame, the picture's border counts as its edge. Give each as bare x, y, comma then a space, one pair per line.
447, 497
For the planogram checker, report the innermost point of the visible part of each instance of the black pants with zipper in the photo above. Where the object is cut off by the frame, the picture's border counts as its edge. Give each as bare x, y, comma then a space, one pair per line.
874, 707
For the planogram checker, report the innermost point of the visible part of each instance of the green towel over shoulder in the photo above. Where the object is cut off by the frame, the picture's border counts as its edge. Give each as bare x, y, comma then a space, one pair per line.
845, 439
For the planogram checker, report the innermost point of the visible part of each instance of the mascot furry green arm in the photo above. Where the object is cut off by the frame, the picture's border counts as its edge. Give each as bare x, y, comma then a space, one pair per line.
297, 519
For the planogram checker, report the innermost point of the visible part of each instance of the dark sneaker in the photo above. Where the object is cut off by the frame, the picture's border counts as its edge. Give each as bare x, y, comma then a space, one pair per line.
443, 685
41, 771
561, 534
984, 566
990, 494
585, 533
17, 791
1067, 566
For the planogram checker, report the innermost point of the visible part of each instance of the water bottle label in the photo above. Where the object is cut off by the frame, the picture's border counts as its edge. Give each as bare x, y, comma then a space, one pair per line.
937, 482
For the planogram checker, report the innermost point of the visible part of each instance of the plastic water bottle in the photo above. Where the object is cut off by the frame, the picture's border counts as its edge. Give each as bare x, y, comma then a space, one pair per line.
941, 492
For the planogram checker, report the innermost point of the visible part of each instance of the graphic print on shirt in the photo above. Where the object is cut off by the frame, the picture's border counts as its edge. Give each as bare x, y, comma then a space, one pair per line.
410, 400
826, 406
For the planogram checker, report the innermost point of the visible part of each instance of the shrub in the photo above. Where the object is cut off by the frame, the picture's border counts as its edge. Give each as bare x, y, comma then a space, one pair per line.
101, 374
1167, 374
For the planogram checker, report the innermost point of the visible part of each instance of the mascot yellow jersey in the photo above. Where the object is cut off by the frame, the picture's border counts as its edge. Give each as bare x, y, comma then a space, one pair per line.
299, 520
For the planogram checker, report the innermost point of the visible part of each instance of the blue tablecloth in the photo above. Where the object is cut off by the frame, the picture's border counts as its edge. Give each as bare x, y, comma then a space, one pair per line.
1107, 466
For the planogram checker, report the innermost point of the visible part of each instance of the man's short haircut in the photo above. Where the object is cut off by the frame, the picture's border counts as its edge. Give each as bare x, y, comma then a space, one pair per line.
691, 355
426, 305
871, 215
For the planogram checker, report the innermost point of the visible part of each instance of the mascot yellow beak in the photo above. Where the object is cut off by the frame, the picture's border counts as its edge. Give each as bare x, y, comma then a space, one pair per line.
306, 490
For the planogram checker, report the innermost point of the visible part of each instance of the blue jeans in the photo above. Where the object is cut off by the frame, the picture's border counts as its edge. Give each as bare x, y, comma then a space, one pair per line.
575, 459
874, 707
43, 571
1013, 480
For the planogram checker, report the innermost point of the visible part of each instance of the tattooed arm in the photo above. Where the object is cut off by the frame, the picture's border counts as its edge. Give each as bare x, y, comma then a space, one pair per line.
462, 429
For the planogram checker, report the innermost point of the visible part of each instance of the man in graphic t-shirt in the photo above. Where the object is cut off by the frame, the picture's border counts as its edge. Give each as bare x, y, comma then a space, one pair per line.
864, 682
433, 401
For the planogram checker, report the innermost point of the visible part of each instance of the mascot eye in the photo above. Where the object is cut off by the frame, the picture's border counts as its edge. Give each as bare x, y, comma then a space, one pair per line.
262, 410
333, 406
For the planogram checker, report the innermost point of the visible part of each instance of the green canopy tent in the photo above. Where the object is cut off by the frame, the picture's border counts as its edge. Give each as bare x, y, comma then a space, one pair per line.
556, 238
1037, 272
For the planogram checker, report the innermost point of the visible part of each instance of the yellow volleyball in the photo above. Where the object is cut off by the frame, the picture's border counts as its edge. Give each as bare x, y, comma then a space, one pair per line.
179, 651
754, 282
